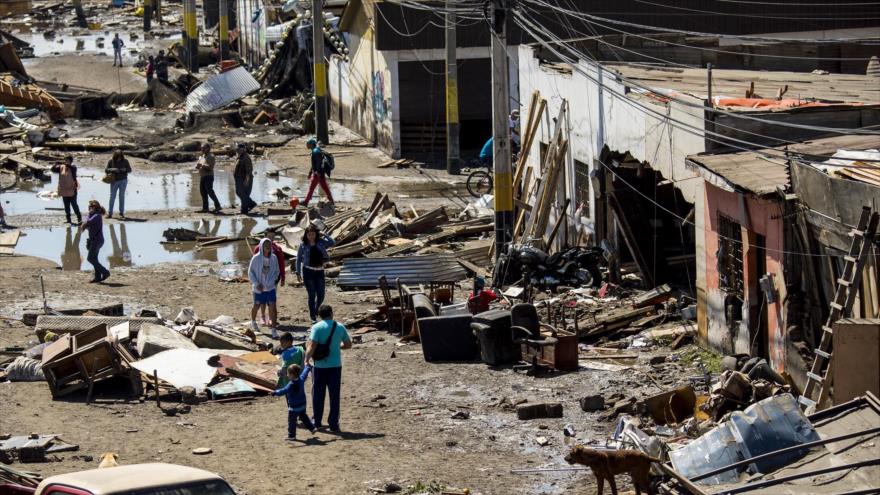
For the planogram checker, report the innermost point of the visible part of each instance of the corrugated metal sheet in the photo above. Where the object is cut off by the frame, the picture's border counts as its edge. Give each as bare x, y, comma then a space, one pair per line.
365, 272
220, 90
753, 172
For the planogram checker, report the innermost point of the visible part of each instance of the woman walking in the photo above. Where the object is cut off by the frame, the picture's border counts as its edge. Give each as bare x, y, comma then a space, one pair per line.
309, 268
95, 225
67, 186
118, 169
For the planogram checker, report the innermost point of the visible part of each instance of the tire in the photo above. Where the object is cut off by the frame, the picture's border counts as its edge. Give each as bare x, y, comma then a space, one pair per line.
479, 182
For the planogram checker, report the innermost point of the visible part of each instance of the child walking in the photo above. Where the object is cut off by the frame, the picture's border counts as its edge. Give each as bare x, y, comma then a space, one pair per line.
289, 354
296, 399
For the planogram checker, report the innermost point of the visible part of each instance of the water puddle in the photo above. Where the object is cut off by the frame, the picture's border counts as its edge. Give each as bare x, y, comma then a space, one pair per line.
50, 42
138, 243
157, 190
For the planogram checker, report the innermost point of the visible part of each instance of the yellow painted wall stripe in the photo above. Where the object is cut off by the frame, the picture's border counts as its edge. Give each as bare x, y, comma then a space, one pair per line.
503, 191
320, 80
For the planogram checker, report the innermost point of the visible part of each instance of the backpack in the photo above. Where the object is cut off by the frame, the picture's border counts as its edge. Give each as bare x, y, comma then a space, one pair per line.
328, 163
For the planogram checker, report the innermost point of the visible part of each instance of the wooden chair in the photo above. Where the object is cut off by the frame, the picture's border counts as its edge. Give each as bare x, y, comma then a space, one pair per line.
393, 309
442, 293
407, 311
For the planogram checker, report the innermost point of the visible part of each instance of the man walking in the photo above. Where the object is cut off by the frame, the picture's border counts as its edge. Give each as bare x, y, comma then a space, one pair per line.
117, 50
205, 166
162, 67
118, 169
244, 179
327, 339
319, 171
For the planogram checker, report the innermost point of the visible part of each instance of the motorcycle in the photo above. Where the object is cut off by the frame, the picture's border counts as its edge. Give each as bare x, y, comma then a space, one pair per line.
577, 267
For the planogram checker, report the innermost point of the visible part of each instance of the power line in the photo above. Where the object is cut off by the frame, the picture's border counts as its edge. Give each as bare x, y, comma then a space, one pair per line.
703, 48
825, 17
719, 111
699, 132
799, 4
584, 15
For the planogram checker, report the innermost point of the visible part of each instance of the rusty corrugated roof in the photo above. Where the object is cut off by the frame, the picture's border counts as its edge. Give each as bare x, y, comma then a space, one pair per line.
753, 171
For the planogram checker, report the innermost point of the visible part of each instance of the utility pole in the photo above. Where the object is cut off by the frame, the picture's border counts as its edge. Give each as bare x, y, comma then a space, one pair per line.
190, 35
452, 124
500, 131
224, 30
148, 15
320, 72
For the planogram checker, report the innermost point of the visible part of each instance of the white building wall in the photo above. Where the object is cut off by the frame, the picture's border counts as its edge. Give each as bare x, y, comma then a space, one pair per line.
622, 124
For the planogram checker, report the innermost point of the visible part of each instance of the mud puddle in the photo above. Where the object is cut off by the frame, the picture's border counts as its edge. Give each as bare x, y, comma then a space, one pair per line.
49, 42
158, 190
138, 243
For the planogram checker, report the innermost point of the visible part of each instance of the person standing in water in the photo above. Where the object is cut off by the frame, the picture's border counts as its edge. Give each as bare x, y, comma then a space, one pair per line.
67, 187
95, 226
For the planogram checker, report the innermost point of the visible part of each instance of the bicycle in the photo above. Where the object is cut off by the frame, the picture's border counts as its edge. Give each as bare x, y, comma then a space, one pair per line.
479, 181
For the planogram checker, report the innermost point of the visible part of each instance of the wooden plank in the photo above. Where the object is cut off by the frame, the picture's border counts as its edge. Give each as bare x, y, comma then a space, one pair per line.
10, 238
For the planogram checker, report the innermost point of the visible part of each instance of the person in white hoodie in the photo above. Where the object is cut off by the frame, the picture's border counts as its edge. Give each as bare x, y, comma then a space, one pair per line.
263, 273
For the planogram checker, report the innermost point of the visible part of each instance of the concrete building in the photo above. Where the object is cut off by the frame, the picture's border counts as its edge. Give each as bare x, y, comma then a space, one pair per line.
633, 134
392, 90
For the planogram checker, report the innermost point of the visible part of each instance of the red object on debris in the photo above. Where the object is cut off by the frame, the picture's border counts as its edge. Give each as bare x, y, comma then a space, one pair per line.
294, 202
226, 65
479, 303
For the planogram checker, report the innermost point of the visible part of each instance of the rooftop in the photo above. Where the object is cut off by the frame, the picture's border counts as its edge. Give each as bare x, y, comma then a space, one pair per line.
835, 88
753, 171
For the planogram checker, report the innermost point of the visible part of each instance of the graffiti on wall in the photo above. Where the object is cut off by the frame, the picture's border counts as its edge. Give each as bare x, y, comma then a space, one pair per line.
380, 106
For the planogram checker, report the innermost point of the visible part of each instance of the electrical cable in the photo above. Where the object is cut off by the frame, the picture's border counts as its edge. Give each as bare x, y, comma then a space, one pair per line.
757, 16
699, 132
652, 91
715, 110
683, 220
584, 15
703, 48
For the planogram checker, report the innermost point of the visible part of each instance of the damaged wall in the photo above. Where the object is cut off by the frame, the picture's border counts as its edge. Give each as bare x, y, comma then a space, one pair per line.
619, 124
760, 222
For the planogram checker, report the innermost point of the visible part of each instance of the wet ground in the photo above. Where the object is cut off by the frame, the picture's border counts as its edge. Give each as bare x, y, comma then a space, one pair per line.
165, 188
138, 243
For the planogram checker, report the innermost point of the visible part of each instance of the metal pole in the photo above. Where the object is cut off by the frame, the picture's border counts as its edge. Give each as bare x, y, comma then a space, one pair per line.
224, 30
500, 131
190, 35
319, 72
148, 15
805, 474
803, 446
452, 123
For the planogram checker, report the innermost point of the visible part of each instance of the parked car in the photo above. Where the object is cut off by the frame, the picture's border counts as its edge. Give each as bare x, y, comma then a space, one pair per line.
137, 479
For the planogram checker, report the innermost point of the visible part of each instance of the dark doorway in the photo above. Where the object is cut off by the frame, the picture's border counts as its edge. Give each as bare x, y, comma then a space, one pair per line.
422, 86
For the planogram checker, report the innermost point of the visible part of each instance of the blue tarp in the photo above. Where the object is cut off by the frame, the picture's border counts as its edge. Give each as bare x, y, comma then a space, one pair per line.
772, 424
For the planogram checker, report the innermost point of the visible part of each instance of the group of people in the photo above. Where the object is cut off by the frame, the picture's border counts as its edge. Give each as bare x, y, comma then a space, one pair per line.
157, 67
322, 357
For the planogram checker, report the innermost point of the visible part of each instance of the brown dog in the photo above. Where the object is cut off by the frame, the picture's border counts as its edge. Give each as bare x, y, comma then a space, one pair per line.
607, 463
108, 460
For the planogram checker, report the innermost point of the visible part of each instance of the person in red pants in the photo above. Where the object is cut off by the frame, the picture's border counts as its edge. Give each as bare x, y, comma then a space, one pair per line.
322, 165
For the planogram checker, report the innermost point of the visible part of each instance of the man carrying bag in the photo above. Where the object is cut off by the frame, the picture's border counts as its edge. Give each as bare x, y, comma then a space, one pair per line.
327, 339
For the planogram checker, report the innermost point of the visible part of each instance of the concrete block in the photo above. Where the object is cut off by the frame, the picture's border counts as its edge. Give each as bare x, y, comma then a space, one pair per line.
205, 338
153, 339
535, 411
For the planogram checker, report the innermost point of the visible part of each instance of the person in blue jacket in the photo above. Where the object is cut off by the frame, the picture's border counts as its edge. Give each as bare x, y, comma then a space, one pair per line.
486, 153
296, 399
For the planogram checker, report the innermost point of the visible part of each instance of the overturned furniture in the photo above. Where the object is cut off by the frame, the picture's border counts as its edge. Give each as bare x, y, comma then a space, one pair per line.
76, 362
